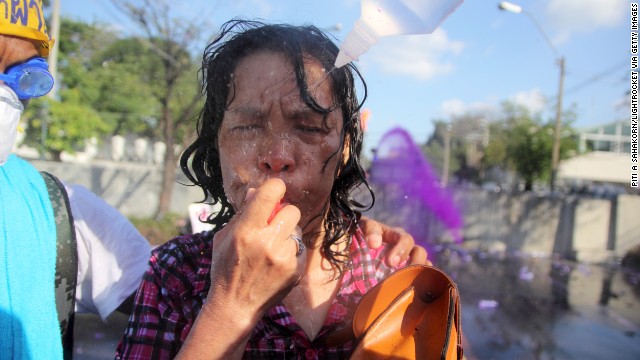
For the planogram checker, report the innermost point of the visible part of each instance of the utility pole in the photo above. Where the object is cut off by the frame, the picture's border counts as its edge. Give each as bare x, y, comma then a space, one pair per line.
555, 151
555, 156
52, 61
53, 54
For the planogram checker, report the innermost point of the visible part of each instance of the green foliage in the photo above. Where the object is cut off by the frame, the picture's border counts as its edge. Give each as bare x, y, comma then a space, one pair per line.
69, 125
529, 150
522, 142
518, 141
110, 75
73, 119
495, 153
109, 84
124, 90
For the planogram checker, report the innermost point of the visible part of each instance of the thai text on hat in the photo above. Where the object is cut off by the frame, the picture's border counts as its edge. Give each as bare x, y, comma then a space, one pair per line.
25, 18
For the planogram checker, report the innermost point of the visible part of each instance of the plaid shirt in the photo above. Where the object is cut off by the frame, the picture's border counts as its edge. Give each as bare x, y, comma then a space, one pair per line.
176, 284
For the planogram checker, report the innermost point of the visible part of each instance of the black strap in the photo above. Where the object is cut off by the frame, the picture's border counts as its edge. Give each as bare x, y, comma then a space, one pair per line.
66, 260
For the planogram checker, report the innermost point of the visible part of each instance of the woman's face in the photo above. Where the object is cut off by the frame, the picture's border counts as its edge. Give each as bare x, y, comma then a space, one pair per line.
268, 131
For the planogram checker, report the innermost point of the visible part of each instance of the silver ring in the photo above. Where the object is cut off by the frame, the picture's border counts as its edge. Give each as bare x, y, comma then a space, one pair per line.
299, 244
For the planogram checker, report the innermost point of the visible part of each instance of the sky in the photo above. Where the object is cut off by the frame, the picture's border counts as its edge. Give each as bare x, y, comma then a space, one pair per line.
480, 56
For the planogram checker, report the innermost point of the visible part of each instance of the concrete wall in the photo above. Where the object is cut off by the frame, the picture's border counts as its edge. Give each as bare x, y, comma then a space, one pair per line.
584, 228
132, 188
523, 222
587, 229
591, 230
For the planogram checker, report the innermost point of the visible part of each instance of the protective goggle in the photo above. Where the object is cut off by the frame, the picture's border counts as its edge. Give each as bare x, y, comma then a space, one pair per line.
29, 79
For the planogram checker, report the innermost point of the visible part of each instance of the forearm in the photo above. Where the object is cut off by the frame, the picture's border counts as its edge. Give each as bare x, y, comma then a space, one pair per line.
252, 269
219, 332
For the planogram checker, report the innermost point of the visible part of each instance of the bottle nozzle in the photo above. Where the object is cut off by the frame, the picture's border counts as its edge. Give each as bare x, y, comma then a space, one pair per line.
393, 17
357, 42
342, 59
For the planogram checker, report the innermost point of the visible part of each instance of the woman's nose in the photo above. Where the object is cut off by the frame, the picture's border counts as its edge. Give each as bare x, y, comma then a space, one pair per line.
277, 154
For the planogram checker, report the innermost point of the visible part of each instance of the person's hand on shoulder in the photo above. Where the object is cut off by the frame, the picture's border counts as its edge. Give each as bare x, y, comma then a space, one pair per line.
401, 244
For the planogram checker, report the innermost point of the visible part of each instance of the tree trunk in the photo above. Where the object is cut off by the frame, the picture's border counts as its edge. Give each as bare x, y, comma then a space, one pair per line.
169, 168
528, 184
56, 155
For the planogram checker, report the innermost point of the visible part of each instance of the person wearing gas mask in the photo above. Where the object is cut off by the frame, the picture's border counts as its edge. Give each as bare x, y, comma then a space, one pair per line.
29, 325
51, 266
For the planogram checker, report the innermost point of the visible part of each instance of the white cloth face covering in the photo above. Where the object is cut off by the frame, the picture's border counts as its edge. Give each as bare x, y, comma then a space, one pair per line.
10, 112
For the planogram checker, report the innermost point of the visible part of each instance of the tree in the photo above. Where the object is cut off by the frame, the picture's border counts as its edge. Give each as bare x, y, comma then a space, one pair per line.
465, 134
125, 87
70, 124
73, 119
529, 148
495, 153
177, 88
522, 142
434, 148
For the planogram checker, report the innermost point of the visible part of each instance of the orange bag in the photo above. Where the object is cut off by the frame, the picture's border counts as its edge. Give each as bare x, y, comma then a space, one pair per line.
412, 314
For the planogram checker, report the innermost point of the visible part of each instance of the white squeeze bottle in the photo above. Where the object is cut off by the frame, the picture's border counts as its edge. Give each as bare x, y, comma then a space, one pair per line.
380, 18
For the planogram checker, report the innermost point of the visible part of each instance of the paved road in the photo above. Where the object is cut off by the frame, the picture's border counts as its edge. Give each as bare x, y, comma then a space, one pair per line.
515, 308
95, 340
537, 308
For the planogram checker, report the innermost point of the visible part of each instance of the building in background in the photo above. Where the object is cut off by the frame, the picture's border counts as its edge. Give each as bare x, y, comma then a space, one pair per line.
614, 137
603, 166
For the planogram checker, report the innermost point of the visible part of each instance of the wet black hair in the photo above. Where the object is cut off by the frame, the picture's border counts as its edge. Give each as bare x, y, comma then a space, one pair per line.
240, 38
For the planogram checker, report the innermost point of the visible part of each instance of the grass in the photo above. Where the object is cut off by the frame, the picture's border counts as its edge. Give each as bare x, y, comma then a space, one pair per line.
158, 231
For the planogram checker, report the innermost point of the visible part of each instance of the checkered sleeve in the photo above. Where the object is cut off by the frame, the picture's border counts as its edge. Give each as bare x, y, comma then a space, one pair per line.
164, 308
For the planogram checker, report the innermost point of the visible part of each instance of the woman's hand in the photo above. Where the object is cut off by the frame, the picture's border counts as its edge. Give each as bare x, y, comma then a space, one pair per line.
401, 244
254, 262
254, 266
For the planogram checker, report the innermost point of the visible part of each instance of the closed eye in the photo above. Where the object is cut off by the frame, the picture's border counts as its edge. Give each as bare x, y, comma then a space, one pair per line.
313, 129
307, 121
246, 127
247, 131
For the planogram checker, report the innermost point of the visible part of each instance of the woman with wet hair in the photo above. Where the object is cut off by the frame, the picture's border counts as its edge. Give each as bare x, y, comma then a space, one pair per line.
278, 149
296, 45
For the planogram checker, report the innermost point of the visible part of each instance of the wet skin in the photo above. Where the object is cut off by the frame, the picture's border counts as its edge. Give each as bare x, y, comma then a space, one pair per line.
269, 132
272, 147
15, 50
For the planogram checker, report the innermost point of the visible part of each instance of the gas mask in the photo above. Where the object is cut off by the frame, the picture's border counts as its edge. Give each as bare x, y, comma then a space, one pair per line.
10, 112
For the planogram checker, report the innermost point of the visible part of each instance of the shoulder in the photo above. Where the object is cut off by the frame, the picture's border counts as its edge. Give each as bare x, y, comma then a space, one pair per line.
366, 265
182, 263
362, 254
185, 248
365, 269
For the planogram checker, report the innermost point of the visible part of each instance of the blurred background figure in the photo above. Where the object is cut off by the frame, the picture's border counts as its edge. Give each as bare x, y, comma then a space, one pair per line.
29, 324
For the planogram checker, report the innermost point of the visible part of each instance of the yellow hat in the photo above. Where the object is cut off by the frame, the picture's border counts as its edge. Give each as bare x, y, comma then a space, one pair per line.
24, 18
